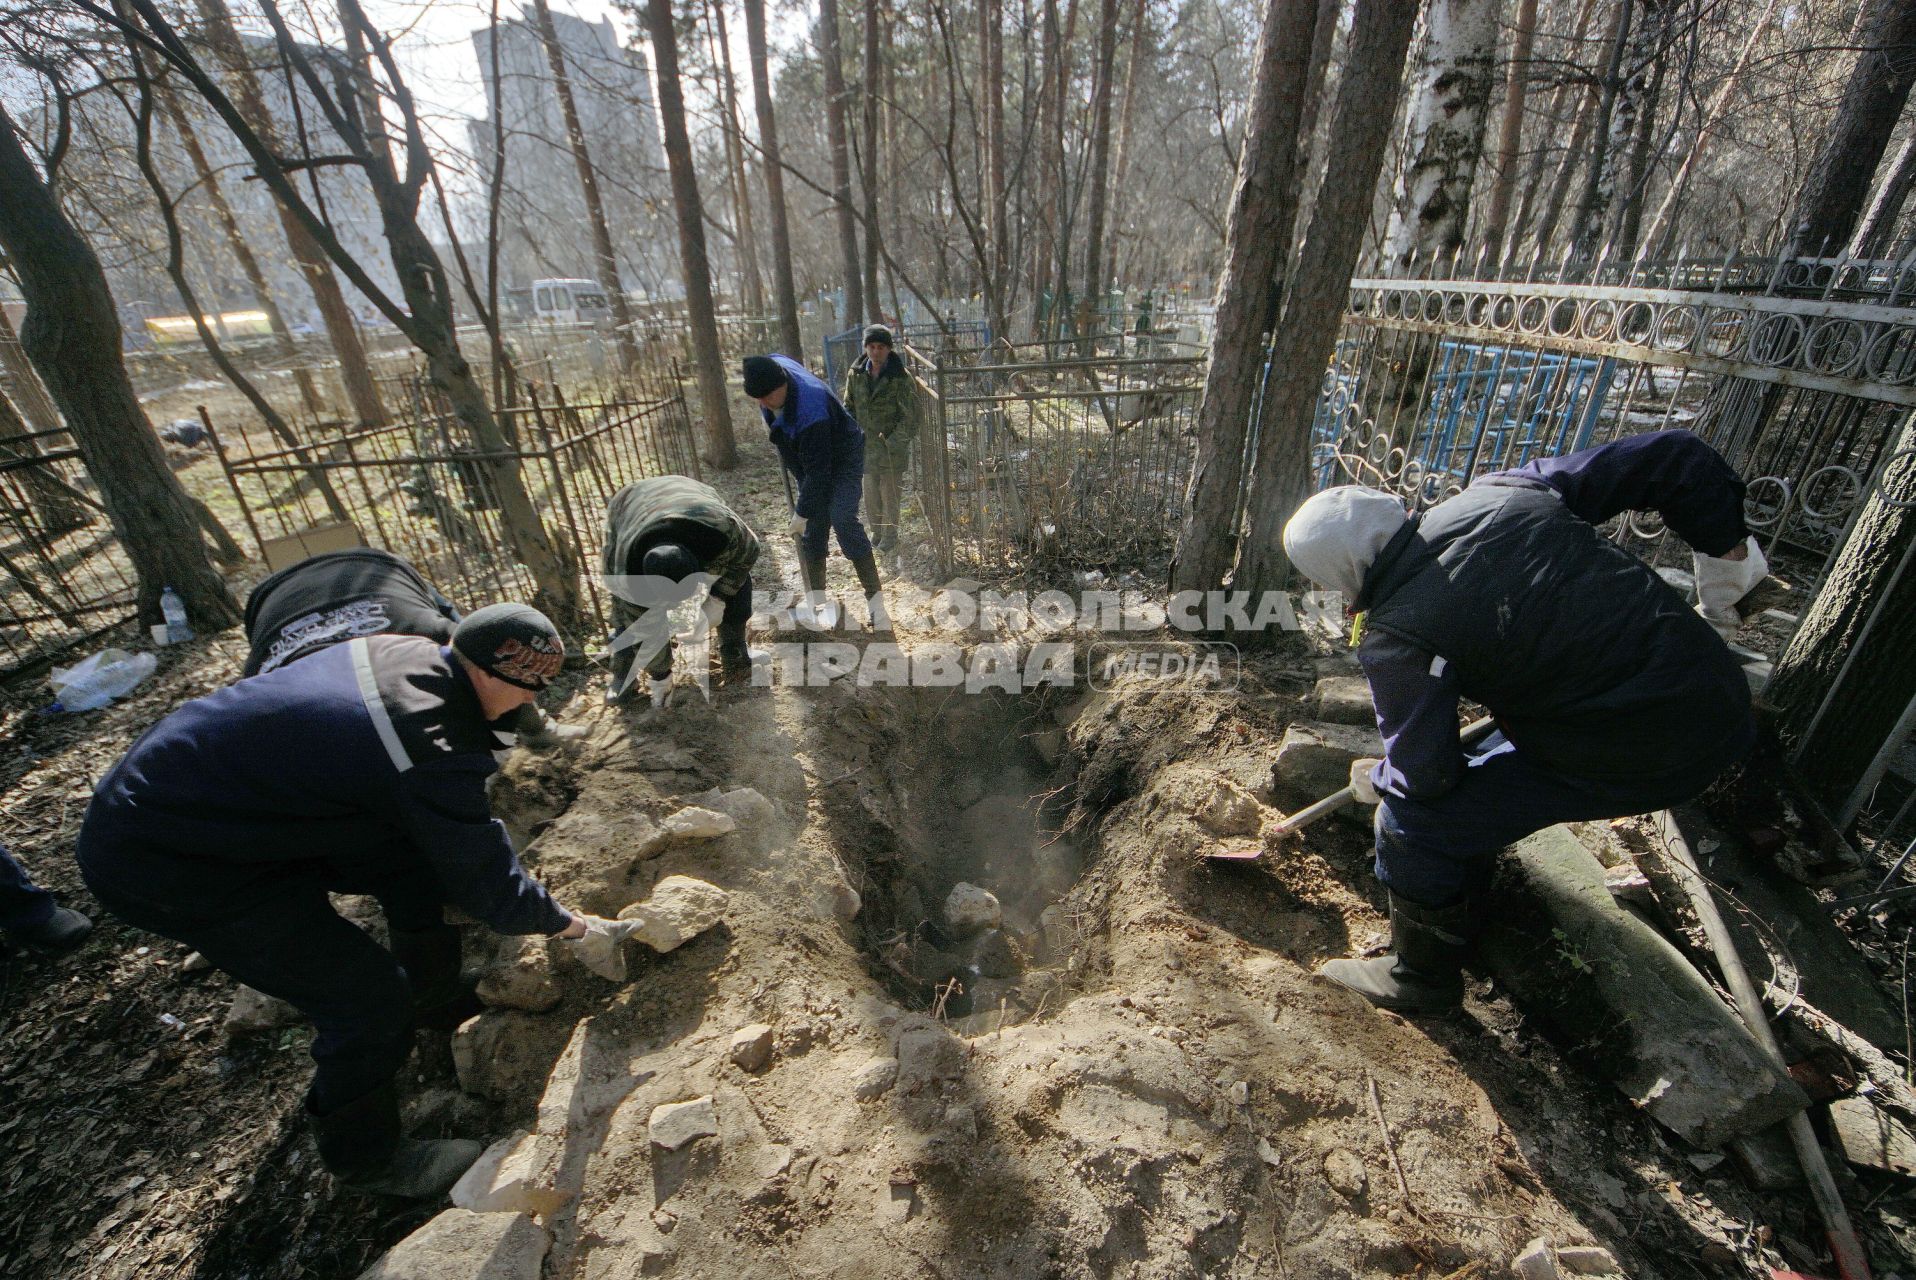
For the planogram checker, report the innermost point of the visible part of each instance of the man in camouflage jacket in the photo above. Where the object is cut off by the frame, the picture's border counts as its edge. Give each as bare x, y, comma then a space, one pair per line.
882, 395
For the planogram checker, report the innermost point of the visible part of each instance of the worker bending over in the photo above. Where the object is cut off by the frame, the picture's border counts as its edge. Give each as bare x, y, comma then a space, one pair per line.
1612, 696
661, 535
881, 394
823, 448
361, 769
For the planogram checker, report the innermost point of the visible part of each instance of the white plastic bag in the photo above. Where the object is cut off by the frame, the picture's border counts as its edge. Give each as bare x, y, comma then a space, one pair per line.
94, 681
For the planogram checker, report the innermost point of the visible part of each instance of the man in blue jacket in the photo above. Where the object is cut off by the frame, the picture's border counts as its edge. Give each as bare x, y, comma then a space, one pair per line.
360, 768
824, 449
1612, 696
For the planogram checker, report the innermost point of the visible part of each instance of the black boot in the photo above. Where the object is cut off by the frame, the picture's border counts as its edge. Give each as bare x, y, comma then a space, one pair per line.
442, 996
361, 1145
1424, 972
866, 566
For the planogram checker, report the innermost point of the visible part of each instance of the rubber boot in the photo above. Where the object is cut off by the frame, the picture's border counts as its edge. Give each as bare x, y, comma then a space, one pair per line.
362, 1146
64, 930
866, 566
1424, 971
442, 996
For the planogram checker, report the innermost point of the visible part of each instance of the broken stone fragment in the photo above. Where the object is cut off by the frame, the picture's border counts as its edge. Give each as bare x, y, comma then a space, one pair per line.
522, 979
517, 1174
928, 1054
677, 1123
995, 954
1314, 759
195, 963
1345, 699
961, 1121
506, 1055
1587, 1260
255, 1011
1344, 1170
696, 823
874, 1079
1226, 809
679, 909
969, 909
462, 1245
1872, 1138
1534, 1263
751, 1048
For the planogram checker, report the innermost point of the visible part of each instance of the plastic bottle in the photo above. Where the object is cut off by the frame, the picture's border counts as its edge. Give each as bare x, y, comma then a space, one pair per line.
99, 679
174, 608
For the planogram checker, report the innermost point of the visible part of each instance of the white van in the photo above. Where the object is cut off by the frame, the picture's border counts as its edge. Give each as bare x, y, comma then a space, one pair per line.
570, 302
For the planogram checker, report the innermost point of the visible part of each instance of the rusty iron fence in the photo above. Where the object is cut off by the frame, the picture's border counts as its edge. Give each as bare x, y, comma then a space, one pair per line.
1055, 460
416, 487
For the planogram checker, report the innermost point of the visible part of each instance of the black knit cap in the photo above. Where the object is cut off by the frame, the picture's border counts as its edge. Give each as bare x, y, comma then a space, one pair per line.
763, 375
877, 333
514, 642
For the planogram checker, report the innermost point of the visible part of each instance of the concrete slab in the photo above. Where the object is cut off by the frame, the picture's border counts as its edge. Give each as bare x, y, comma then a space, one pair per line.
1624, 998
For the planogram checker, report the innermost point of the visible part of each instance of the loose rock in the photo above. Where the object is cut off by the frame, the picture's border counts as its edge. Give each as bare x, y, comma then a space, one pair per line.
517, 1174
462, 1245
1587, 1260
1345, 699
1314, 759
995, 954
1345, 1172
1534, 1262
522, 980
504, 1056
874, 1079
255, 1011
969, 909
677, 1123
679, 909
751, 1048
696, 823
927, 1054
195, 963
1226, 809
1872, 1138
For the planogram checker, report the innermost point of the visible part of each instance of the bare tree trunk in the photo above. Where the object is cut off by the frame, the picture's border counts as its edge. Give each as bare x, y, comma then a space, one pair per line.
1257, 243
1450, 86
991, 16
1831, 202
735, 154
1626, 213
721, 450
1045, 298
504, 390
1122, 162
828, 52
774, 171
1611, 136
1510, 131
1318, 290
604, 257
242, 252
1878, 228
1569, 97
868, 155
72, 335
355, 372
1101, 92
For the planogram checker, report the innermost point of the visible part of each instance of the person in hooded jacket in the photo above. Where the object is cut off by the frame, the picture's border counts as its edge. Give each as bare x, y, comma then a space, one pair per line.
1611, 695
823, 448
881, 394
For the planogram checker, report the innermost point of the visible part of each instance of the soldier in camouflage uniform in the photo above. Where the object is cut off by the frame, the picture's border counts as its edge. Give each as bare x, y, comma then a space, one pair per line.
882, 395
673, 527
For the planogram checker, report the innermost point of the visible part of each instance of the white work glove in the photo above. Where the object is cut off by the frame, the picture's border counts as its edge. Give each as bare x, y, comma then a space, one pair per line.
601, 949
1720, 584
713, 609
1361, 785
660, 687
798, 525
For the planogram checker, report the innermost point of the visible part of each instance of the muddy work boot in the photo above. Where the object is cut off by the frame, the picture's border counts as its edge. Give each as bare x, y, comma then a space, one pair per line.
442, 996
63, 930
866, 566
1424, 971
362, 1146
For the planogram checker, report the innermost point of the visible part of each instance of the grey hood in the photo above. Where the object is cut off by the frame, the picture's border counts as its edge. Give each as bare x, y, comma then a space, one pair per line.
1338, 534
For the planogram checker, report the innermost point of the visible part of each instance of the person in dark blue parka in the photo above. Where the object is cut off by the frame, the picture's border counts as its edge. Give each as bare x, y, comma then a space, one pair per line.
1610, 694
360, 769
823, 448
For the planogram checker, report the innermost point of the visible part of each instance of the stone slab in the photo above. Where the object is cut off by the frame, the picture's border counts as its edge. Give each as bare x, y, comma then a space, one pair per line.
462, 1245
1314, 759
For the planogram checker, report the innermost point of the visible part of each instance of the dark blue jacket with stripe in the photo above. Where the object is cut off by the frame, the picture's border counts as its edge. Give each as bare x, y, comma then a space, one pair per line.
818, 441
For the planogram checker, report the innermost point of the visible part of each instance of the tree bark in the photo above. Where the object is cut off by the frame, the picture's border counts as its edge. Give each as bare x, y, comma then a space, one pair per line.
991, 16
1611, 136
1510, 131
1832, 198
1877, 232
1100, 153
604, 257
1565, 98
1864, 619
1257, 245
342, 332
721, 450
72, 335
830, 55
1318, 289
774, 171
1122, 161
735, 154
1450, 86
868, 170
23, 382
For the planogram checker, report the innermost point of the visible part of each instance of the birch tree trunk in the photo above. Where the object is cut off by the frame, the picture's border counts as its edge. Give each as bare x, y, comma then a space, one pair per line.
721, 450
829, 52
786, 292
1451, 80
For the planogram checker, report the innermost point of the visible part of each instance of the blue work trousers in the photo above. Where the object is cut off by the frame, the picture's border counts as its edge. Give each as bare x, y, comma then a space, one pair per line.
1438, 851
24, 905
848, 491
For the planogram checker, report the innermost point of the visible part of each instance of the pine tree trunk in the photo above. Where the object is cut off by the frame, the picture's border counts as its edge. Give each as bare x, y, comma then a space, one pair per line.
1451, 81
1121, 162
1876, 234
787, 293
342, 332
721, 450
868, 167
1832, 198
72, 335
604, 257
1257, 244
1102, 94
833, 58
1510, 132
991, 15
1318, 290
735, 154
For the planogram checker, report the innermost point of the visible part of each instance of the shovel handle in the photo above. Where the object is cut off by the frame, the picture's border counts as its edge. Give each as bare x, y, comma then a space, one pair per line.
1304, 817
